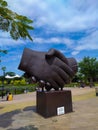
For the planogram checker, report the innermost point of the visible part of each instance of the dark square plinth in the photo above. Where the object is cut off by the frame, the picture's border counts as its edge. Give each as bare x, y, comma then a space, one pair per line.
52, 102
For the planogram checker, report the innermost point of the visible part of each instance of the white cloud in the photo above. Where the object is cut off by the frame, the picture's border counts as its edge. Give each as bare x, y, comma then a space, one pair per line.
6, 40
71, 15
89, 42
56, 40
10, 42
75, 53
65, 16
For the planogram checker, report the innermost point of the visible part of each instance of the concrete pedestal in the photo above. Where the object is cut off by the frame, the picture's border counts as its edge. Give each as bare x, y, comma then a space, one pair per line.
53, 103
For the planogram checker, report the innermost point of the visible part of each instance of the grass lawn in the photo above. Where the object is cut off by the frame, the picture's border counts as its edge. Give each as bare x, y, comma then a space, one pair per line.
83, 96
18, 106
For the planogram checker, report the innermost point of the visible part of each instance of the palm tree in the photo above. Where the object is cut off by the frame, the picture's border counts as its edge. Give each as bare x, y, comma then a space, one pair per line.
3, 69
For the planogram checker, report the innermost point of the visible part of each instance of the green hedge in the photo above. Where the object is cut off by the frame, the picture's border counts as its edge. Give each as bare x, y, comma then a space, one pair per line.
72, 85
18, 89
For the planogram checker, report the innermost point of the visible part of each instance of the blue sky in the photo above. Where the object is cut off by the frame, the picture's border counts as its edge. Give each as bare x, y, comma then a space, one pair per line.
71, 26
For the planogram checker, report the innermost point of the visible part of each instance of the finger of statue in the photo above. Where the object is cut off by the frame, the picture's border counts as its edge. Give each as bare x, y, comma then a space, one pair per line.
48, 84
42, 82
53, 84
63, 66
56, 53
34, 79
48, 88
59, 80
68, 70
65, 77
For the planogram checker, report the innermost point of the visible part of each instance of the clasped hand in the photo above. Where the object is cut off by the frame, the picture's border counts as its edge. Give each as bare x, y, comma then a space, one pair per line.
52, 67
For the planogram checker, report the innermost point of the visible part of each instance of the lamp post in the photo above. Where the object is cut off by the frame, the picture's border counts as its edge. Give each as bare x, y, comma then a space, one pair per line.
3, 69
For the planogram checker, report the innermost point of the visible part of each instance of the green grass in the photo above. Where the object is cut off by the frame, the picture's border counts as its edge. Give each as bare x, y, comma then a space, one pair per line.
83, 96
15, 106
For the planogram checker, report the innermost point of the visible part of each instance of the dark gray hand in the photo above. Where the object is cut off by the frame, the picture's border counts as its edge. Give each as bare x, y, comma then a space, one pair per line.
51, 67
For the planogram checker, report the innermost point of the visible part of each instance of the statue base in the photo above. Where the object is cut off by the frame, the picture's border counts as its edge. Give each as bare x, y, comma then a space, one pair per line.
53, 103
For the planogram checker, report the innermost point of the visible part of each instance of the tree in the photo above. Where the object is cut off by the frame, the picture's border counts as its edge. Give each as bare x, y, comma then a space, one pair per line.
10, 73
2, 51
17, 25
3, 69
89, 68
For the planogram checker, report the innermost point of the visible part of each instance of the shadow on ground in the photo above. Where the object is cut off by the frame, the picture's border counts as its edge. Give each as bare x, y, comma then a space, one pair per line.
6, 119
31, 127
30, 108
1, 107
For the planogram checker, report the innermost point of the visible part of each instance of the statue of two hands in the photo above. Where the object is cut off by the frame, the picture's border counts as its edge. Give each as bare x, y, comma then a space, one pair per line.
51, 69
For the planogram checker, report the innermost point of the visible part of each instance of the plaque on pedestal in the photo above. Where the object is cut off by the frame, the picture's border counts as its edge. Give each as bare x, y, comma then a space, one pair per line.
53, 103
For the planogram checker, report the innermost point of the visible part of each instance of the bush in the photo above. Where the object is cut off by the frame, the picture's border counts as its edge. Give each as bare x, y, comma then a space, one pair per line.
72, 85
96, 84
17, 89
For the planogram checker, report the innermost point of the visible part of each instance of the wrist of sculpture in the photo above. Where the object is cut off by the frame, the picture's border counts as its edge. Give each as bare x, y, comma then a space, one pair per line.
27, 56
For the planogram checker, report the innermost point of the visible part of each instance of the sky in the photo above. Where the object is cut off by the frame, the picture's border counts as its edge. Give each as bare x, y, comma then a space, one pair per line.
70, 26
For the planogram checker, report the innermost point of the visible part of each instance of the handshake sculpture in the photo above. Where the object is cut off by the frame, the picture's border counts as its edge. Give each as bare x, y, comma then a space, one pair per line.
51, 69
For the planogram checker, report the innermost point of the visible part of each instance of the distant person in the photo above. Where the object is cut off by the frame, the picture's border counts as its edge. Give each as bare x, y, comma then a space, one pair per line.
9, 97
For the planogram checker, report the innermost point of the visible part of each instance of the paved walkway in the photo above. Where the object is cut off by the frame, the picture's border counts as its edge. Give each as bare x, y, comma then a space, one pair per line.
84, 117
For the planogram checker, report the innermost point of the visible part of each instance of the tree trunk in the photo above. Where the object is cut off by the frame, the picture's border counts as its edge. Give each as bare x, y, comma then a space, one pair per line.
91, 82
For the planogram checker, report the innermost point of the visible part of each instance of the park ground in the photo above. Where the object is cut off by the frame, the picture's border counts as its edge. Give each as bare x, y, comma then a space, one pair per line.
20, 113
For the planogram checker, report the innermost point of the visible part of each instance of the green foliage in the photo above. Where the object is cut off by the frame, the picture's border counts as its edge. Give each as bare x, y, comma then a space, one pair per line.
18, 89
3, 3
17, 86
17, 25
10, 73
3, 68
2, 52
19, 82
88, 68
16, 82
96, 84
0, 81
72, 85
